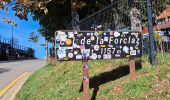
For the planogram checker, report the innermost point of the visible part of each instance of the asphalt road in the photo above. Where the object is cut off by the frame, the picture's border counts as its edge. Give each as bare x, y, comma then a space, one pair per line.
11, 70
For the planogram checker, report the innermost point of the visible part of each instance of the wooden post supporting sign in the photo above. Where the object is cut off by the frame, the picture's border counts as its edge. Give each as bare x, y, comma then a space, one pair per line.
97, 45
86, 94
132, 68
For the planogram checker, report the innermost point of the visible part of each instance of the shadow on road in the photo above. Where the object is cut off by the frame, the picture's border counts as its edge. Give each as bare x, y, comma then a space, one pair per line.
106, 77
8, 61
3, 70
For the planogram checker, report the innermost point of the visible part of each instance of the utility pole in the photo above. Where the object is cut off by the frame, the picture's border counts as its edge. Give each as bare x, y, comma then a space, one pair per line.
150, 30
12, 29
0, 37
12, 39
46, 48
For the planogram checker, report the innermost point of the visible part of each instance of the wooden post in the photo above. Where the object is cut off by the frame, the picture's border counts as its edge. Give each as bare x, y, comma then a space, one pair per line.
86, 94
55, 50
132, 68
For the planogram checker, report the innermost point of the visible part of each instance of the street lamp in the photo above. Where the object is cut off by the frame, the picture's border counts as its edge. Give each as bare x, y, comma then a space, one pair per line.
12, 28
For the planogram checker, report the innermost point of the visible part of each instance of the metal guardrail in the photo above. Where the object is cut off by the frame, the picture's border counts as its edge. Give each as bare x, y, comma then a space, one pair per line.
8, 41
3, 40
104, 18
20, 47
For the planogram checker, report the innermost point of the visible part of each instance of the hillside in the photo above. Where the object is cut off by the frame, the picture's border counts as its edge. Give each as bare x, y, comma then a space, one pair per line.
109, 79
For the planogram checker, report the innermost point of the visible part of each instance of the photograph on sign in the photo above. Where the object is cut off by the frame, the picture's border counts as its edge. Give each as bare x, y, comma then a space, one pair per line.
98, 45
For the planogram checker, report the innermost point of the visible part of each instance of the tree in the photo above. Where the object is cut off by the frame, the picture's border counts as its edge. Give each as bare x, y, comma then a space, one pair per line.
33, 38
130, 13
56, 14
158, 40
23, 7
58, 17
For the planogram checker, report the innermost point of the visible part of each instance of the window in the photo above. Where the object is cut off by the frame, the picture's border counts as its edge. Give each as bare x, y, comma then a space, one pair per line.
168, 18
161, 21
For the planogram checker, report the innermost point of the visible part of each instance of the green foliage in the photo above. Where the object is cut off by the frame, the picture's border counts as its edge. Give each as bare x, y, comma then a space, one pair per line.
56, 14
138, 87
59, 14
33, 37
62, 8
157, 37
23, 7
63, 81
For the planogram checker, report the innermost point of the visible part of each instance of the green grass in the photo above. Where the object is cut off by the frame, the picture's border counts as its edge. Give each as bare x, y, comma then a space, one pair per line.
110, 81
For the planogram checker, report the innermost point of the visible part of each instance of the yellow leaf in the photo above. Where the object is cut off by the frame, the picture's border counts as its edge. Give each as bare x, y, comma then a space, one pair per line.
4, 20
19, 12
39, 5
46, 11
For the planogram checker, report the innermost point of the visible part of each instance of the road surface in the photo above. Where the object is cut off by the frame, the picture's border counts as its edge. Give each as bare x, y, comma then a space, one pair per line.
11, 70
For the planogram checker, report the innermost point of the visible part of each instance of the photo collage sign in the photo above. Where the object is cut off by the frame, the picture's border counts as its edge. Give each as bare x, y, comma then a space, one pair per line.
98, 45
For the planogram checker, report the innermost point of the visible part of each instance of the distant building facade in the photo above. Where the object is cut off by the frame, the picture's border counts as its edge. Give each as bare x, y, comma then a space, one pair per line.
162, 22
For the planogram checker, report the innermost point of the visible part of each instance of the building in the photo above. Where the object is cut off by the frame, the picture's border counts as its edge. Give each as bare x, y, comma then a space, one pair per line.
162, 22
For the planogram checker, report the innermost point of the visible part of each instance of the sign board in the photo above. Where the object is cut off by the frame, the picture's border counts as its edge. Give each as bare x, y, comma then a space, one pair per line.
98, 45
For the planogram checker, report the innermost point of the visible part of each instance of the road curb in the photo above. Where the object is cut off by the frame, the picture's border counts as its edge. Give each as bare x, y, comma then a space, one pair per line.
2, 92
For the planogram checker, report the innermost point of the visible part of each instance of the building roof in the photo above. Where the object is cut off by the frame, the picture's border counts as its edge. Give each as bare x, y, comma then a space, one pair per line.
164, 15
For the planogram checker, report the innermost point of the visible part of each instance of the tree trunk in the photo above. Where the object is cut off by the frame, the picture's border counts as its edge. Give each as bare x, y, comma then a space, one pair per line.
162, 50
168, 46
75, 16
135, 17
46, 48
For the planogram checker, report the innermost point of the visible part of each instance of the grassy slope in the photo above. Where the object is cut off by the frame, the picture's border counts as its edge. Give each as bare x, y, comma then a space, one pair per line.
109, 79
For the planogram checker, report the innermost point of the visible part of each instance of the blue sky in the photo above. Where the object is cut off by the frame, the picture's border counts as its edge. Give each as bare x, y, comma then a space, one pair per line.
22, 31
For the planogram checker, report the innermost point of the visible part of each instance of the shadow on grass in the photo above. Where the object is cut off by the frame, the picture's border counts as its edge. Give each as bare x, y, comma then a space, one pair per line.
3, 70
106, 77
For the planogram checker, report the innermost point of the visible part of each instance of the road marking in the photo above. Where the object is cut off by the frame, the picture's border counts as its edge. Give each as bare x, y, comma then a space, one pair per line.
11, 84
